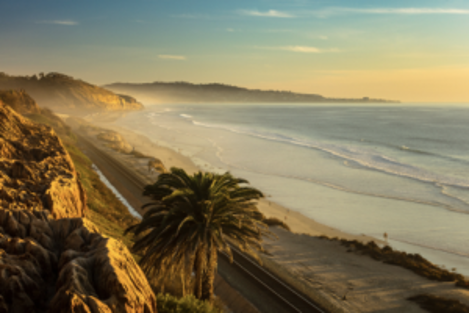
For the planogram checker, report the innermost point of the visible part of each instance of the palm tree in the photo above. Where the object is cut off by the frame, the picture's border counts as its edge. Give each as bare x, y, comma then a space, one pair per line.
190, 220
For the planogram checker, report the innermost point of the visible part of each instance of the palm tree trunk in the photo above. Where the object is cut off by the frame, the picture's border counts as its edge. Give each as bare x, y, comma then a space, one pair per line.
189, 268
199, 267
209, 276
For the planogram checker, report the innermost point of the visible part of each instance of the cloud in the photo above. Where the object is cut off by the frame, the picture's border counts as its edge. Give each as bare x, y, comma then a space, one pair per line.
172, 57
270, 13
230, 30
408, 11
323, 37
303, 49
343, 10
60, 22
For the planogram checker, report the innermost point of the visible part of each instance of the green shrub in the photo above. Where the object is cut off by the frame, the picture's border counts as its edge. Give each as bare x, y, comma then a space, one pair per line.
413, 262
436, 304
167, 303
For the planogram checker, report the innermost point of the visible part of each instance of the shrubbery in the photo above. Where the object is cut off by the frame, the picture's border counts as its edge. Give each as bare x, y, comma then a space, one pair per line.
167, 303
435, 304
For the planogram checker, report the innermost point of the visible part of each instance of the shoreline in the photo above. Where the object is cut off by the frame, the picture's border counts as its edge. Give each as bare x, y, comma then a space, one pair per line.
331, 274
298, 222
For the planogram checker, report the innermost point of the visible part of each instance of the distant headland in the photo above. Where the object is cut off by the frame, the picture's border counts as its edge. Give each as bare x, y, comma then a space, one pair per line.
184, 92
62, 92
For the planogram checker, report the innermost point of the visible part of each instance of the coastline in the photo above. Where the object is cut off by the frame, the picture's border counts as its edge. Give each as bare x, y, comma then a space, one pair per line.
331, 274
298, 222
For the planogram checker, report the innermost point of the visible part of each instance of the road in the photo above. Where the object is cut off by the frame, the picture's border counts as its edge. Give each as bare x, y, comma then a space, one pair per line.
260, 287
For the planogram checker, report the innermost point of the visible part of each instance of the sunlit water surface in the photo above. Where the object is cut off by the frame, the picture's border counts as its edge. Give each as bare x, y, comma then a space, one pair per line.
400, 169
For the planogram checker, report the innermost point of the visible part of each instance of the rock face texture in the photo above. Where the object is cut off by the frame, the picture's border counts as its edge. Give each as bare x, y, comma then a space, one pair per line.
20, 101
64, 93
52, 259
66, 265
35, 170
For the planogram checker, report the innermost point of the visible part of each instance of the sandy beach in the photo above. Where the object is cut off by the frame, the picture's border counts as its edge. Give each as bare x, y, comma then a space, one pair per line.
296, 221
341, 280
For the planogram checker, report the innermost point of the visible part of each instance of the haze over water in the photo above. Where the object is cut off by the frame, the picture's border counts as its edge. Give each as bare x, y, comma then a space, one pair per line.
366, 169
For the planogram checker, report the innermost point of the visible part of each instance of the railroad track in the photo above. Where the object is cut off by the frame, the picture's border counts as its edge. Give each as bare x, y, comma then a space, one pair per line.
292, 300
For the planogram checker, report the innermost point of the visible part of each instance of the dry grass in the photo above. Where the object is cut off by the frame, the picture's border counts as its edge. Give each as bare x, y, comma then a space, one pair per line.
413, 262
436, 304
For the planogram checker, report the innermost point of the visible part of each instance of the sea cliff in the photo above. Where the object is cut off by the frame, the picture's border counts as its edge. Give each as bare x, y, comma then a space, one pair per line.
64, 93
52, 257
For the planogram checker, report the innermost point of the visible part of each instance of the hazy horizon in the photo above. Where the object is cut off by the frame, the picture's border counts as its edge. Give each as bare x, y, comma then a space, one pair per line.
411, 51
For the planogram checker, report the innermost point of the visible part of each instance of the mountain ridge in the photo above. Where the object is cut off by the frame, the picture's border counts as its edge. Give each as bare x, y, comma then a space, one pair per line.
181, 92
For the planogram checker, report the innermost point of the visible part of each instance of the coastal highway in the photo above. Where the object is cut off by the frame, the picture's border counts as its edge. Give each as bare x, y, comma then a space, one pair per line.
259, 286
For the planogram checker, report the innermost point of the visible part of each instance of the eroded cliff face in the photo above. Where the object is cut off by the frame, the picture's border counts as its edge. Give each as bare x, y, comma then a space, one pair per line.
52, 259
66, 265
35, 170
20, 101
64, 93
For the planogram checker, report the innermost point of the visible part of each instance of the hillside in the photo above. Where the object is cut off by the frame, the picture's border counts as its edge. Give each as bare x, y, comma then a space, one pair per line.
182, 92
64, 93
19, 101
53, 258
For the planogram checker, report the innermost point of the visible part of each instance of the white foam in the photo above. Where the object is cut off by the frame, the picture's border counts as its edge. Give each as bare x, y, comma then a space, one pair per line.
365, 157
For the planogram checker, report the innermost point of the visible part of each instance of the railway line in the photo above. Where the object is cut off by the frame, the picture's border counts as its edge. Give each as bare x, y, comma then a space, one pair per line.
273, 295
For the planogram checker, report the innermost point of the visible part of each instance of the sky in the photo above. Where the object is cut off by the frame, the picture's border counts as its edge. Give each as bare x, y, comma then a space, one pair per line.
412, 51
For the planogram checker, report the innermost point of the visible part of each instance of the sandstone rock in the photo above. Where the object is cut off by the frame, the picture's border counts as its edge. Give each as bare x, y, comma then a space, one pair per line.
62, 92
77, 270
52, 259
20, 101
35, 169
116, 141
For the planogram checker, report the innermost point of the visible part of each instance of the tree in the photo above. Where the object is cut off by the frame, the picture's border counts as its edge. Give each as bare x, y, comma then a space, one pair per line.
190, 220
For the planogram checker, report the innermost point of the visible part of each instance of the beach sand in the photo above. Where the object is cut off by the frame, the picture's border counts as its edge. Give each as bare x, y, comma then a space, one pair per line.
323, 269
296, 221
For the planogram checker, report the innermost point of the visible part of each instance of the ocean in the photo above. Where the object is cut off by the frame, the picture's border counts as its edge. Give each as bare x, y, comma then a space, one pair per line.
400, 169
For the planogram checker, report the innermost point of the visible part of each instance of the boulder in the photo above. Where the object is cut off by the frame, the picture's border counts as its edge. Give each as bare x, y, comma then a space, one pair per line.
66, 265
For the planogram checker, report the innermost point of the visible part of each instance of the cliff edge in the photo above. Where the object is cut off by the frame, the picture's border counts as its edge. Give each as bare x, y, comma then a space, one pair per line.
20, 101
64, 93
52, 258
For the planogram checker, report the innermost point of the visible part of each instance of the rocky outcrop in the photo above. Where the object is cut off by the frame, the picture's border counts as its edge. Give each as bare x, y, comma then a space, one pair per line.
66, 265
35, 170
64, 93
52, 259
20, 101
116, 141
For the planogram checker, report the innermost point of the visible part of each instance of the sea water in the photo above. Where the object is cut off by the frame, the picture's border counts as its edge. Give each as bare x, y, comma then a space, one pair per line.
399, 169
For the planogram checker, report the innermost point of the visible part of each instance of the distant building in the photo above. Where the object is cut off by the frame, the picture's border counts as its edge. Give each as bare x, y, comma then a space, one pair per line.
365, 98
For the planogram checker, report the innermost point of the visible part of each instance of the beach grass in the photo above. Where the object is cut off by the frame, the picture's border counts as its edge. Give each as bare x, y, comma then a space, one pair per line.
435, 304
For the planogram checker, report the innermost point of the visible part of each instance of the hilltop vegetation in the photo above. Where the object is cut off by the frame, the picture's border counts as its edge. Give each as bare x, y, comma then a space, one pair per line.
64, 93
183, 92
